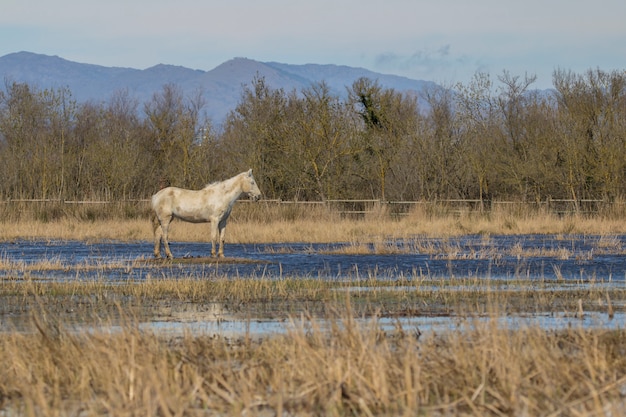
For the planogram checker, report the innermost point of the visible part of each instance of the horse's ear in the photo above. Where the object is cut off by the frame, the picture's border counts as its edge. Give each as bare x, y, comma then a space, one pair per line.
250, 172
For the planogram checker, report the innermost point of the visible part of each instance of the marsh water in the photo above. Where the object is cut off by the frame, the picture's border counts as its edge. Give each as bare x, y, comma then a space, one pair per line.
565, 260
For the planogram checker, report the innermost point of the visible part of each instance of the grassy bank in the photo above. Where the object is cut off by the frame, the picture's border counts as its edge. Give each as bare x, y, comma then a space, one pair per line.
246, 297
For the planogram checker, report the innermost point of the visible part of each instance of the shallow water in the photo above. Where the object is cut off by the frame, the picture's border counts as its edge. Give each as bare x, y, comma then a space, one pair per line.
565, 261
411, 326
548, 257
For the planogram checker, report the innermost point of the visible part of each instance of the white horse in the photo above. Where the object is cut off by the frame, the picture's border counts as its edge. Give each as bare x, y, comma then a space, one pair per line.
211, 204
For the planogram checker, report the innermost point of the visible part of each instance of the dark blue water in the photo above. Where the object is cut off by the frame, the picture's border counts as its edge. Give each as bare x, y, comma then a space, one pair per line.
587, 258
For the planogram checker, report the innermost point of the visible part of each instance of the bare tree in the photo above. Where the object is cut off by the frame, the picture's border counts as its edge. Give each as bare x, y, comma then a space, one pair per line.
173, 121
386, 115
325, 132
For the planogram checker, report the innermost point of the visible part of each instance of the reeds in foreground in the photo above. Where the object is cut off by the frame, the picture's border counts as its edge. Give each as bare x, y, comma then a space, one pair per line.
334, 367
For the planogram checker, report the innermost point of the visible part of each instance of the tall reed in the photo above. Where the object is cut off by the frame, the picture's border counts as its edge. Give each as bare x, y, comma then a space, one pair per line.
330, 367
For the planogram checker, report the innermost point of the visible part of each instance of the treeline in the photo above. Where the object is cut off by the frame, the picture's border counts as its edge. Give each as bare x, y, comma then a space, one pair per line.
482, 140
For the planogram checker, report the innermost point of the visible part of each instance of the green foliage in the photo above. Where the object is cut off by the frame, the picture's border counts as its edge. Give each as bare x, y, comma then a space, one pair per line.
484, 140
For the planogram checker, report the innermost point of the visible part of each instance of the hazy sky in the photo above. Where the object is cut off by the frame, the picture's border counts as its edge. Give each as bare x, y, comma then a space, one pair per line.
445, 41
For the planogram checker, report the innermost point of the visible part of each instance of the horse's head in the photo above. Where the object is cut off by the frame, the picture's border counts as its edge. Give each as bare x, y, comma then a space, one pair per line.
250, 187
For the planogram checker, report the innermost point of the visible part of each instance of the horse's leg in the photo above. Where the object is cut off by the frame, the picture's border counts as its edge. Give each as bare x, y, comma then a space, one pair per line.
157, 231
222, 228
214, 235
165, 224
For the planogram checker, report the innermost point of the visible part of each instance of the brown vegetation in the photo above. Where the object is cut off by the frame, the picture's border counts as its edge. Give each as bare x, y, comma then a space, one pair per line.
485, 141
332, 366
266, 222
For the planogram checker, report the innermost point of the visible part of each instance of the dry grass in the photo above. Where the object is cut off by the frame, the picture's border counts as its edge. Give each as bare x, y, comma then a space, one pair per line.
325, 364
423, 296
264, 224
334, 367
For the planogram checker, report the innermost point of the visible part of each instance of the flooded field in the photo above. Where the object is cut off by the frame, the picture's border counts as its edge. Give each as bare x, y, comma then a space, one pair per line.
545, 262
563, 258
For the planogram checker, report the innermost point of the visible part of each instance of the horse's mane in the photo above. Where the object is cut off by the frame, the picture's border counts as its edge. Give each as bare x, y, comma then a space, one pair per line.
217, 183
210, 185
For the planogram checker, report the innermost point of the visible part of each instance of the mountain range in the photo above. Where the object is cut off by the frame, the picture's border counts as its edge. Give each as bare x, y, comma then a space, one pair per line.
221, 86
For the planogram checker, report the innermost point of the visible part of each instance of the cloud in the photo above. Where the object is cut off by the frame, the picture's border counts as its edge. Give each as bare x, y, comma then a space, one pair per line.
440, 63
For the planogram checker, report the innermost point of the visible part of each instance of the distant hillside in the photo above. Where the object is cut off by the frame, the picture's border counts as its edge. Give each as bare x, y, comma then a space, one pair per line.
221, 86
